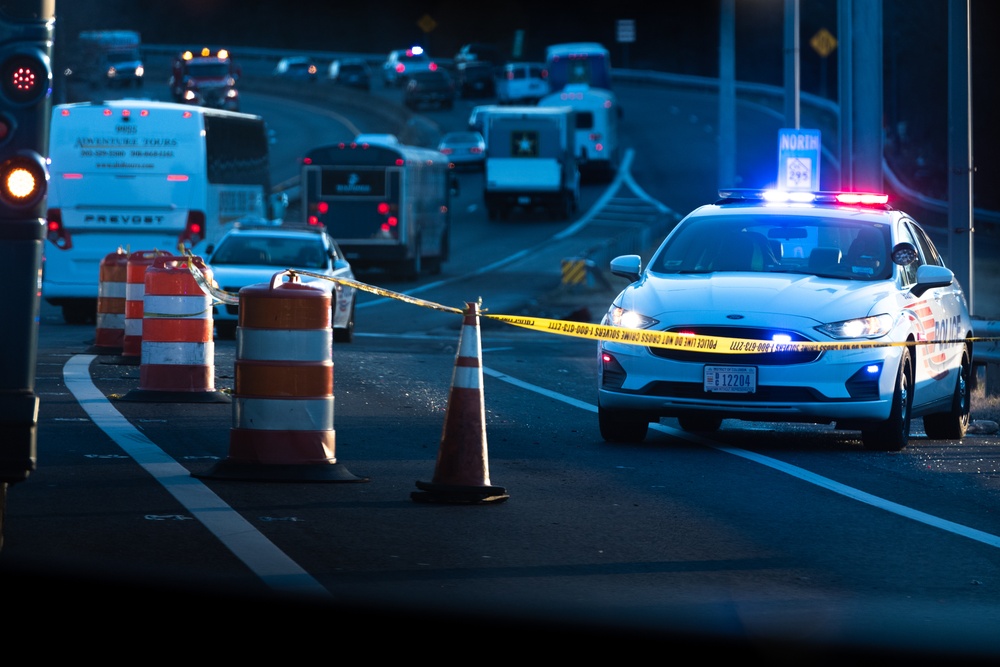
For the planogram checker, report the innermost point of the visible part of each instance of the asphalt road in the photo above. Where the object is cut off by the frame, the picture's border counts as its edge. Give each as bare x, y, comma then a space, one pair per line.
766, 540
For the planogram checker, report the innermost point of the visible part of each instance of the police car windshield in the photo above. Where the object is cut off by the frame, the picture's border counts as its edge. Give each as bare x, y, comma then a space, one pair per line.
814, 245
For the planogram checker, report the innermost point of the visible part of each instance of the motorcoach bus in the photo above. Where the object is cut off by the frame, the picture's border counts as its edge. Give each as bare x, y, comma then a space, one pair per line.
145, 175
387, 204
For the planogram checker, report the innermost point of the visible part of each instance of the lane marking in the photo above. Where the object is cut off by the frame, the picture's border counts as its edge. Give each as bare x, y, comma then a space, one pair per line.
787, 468
263, 558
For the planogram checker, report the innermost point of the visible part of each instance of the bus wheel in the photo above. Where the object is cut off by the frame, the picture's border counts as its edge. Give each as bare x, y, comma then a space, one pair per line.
225, 329
80, 311
413, 267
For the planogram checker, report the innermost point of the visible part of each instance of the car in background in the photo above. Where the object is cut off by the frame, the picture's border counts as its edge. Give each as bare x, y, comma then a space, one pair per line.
379, 139
823, 308
400, 64
475, 79
250, 254
431, 88
480, 53
464, 149
298, 68
350, 72
521, 83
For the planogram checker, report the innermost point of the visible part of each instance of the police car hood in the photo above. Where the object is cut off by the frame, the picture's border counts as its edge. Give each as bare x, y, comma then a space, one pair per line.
751, 298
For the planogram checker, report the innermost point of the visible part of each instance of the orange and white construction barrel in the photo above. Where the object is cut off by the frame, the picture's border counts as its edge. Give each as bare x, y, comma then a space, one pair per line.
282, 428
178, 353
112, 278
135, 276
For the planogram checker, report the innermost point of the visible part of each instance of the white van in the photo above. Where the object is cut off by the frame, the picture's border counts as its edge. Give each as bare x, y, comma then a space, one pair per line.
522, 83
597, 117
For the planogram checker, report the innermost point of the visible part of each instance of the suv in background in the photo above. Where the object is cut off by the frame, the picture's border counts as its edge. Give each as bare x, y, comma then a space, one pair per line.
351, 72
475, 79
522, 83
298, 68
430, 89
401, 63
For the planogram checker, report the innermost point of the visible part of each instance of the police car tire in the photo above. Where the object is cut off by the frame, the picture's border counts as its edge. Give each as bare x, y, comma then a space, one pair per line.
622, 425
952, 425
894, 433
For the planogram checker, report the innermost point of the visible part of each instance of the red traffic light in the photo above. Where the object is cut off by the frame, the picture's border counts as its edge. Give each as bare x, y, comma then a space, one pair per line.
25, 77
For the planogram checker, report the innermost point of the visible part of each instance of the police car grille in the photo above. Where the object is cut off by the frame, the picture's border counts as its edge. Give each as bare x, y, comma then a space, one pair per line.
744, 333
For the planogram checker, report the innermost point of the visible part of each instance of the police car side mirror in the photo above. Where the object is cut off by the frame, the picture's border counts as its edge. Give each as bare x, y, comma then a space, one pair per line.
627, 266
930, 276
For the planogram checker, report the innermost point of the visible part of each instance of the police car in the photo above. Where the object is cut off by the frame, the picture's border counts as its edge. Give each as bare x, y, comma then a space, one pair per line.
828, 308
251, 254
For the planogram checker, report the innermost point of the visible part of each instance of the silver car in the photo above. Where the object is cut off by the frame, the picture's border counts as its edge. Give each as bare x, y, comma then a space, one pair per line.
252, 254
828, 308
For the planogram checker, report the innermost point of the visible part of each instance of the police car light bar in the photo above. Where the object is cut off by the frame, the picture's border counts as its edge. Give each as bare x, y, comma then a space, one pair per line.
854, 198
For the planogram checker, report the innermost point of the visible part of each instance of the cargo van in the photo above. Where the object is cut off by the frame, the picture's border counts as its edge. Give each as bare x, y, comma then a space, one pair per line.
597, 117
531, 161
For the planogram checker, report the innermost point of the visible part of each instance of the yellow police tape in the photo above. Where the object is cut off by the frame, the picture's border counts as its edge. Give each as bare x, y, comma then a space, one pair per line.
712, 344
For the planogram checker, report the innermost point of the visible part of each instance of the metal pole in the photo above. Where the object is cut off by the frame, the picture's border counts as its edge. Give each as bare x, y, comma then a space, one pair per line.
727, 94
866, 104
960, 166
792, 64
845, 78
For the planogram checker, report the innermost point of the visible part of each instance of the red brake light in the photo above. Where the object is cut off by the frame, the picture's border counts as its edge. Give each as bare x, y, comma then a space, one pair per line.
56, 233
195, 229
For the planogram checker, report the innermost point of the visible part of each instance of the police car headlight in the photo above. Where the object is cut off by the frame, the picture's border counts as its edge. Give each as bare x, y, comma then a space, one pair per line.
862, 327
630, 319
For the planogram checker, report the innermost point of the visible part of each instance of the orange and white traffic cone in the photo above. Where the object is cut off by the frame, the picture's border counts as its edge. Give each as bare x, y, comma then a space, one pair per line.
462, 472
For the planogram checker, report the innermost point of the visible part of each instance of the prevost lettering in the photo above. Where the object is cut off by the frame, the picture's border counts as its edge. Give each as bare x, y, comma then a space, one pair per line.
124, 219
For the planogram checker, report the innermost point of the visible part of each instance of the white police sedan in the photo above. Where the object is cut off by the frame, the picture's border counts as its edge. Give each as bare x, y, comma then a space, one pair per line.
252, 254
827, 308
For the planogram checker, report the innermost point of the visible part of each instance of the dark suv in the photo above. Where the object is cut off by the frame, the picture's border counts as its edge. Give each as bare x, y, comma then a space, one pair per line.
433, 88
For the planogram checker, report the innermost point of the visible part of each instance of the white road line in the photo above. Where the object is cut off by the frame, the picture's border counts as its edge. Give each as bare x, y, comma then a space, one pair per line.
794, 471
268, 562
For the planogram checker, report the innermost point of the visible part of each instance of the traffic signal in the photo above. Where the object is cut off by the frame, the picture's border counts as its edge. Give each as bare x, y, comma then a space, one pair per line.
26, 32
25, 105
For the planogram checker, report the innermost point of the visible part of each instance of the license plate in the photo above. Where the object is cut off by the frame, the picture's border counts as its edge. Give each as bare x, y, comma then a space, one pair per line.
731, 379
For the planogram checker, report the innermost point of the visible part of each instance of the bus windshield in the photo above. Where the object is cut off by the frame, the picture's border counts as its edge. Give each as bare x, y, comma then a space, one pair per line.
569, 64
